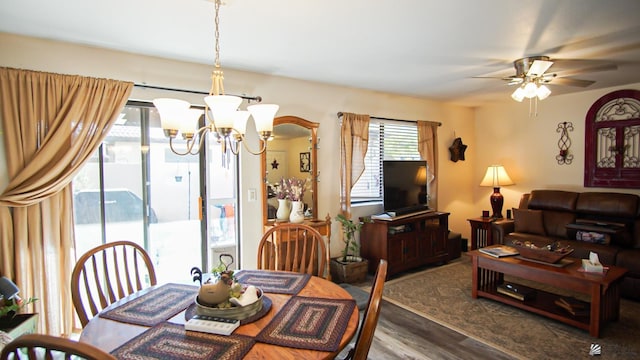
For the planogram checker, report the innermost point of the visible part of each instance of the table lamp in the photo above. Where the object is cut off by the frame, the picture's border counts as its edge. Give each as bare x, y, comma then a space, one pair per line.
495, 177
421, 181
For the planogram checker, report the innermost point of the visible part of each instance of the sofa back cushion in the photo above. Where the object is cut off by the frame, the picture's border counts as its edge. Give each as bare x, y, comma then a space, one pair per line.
607, 204
558, 209
528, 221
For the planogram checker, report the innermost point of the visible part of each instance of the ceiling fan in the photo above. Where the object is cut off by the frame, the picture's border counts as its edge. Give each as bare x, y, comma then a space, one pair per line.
532, 76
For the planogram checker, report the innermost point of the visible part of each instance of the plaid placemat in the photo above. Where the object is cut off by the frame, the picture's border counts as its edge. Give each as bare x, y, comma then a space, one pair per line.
155, 306
277, 282
309, 323
266, 306
168, 341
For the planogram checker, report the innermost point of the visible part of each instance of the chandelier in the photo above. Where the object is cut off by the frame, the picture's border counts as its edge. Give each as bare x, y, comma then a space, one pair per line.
222, 117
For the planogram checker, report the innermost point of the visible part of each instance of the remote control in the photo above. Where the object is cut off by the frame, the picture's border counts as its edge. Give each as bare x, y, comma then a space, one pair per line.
212, 324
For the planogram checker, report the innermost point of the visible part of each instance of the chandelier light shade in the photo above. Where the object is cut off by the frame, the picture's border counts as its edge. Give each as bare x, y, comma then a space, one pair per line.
495, 177
222, 115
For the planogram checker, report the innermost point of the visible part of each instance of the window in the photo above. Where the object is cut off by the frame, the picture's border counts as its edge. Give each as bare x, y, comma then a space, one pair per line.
612, 141
388, 140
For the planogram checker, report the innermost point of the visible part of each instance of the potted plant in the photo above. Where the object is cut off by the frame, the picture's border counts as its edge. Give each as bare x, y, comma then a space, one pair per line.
349, 268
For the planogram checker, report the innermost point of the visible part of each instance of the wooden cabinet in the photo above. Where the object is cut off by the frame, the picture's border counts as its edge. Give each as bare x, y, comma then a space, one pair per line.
405, 242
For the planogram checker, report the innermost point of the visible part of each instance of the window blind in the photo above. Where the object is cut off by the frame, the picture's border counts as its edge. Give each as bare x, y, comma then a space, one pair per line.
388, 140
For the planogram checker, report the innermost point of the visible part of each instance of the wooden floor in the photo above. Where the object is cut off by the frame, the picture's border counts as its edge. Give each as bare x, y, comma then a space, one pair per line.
401, 334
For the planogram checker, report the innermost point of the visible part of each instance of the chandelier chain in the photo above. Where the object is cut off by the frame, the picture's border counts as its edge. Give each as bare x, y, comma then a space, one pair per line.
217, 33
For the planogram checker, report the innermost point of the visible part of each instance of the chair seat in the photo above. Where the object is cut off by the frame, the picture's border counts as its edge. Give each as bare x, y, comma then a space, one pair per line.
360, 296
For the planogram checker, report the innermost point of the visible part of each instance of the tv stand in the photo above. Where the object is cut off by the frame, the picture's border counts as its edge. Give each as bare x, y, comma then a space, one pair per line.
406, 242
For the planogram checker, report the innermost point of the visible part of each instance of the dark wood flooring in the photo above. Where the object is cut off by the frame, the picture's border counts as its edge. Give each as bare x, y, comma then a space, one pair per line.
401, 334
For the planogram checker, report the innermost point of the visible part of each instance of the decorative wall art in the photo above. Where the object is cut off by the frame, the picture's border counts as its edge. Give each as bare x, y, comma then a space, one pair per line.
305, 162
457, 150
564, 143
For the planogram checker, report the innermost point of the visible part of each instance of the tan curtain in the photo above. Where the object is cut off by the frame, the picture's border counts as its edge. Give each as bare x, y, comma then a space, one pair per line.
354, 139
51, 125
428, 149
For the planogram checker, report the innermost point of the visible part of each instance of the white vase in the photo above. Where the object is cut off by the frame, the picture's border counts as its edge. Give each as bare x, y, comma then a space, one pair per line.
297, 212
284, 208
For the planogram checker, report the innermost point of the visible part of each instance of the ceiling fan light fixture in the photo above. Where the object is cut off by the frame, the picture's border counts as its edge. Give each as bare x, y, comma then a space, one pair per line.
518, 95
543, 92
530, 90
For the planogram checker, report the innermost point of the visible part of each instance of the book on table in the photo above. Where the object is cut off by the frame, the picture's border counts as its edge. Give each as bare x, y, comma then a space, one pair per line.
499, 251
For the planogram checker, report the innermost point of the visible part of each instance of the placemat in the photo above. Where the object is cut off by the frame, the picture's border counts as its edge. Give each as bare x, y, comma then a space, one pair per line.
277, 282
309, 323
266, 306
155, 306
168, 341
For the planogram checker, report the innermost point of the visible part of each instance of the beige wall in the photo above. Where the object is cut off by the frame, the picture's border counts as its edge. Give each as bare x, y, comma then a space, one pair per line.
496, 133
312, 101
527, 146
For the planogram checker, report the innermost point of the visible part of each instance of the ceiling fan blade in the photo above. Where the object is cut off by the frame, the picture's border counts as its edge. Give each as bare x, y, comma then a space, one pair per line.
590, 69
571, 82
539, 67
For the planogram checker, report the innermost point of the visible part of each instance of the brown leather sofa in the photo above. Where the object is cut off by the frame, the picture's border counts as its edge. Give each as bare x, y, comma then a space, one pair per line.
543, 215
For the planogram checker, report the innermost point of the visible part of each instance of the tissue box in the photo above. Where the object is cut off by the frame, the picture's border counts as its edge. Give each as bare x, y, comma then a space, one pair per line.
589, 266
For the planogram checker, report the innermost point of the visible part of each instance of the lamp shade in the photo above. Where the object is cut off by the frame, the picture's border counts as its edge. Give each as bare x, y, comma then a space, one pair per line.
496, 176
223, 108
421, 176
172, 112
263, 115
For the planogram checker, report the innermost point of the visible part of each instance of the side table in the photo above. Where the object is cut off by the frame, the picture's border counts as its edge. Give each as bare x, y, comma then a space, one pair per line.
481, 234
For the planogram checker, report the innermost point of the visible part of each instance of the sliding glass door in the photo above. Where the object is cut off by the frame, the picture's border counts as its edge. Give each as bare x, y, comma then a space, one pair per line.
135, 188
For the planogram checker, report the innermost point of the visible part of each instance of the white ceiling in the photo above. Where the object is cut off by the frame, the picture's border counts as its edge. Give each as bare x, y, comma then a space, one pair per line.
421, 48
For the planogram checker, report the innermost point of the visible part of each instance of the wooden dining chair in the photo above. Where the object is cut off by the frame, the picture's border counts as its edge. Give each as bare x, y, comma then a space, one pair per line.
108, 273
293, 247
360, 351
41, 346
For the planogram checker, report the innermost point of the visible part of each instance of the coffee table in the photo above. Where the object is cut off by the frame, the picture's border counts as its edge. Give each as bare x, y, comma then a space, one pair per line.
603, 290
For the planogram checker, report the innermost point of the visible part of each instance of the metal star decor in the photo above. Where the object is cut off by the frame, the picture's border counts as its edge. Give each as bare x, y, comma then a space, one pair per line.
457, 150
274, 164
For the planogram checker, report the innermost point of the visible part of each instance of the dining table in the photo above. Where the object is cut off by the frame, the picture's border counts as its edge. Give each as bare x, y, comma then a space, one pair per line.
314, 294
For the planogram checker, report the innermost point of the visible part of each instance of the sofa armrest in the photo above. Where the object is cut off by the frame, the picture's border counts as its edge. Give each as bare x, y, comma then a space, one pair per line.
500, 228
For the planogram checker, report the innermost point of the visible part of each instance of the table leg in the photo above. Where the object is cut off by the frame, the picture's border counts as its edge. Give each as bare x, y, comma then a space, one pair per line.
594, 320
474, 277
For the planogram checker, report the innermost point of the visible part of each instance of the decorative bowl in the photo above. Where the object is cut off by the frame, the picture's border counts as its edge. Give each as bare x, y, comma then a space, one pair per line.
550, 254
233, 312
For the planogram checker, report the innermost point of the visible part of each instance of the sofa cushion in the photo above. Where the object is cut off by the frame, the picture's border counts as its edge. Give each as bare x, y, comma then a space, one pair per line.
608, 204
606, 254
555, 223
528, 221
553, 200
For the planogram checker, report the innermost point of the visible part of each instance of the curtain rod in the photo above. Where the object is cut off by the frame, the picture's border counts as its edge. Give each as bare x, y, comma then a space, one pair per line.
384, 118
249, 98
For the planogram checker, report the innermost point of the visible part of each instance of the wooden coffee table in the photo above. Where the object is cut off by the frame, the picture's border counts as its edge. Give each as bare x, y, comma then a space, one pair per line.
603, 289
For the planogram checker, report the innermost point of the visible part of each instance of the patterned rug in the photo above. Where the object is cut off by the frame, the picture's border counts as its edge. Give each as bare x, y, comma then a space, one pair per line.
168, 341
277, 282
443, 295
309, 323
155, 306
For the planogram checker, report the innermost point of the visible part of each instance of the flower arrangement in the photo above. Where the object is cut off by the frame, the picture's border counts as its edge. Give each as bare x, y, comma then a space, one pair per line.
296, 188
282, 190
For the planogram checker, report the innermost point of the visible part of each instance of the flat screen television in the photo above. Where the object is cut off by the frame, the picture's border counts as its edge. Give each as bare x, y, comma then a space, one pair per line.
404, 186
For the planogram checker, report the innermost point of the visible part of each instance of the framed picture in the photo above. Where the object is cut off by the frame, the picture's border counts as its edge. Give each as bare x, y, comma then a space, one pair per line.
305, 162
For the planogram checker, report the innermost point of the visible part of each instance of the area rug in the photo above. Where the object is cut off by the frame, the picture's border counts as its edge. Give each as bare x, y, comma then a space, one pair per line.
155, 306
309, 323
168, 341
443, 295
